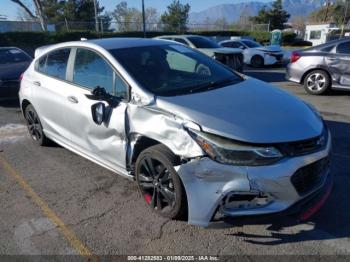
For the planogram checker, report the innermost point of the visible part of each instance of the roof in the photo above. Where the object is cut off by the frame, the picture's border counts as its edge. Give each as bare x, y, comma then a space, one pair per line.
117, 43
179, 36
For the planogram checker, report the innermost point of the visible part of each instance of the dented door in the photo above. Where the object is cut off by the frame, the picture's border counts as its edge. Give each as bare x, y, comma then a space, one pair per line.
339, 63
105, 142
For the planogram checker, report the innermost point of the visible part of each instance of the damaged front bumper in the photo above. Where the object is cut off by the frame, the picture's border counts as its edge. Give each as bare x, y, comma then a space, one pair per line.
234, 191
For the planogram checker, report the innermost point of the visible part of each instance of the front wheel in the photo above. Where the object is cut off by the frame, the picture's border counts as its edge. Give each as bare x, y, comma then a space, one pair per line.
317, 82
159, 183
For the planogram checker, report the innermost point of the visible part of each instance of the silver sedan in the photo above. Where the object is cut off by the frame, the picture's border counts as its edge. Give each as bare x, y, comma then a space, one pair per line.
200, 140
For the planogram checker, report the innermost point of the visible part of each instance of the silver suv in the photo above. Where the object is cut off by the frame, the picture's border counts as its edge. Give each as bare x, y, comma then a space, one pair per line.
198, 138
322, 68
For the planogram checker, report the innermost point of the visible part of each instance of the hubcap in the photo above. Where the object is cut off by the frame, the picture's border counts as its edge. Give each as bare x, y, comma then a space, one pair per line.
156, 184
316, 82
34, 125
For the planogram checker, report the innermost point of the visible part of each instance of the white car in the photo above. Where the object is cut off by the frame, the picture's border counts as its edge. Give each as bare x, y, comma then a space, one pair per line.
255, 54
232, 57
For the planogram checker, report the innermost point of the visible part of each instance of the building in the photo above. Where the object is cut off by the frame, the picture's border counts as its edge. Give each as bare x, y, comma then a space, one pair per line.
320, 33
22, 26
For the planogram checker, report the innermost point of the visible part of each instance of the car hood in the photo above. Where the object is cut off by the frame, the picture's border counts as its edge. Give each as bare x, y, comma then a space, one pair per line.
221, 50
12, 71
270, 48
250, 111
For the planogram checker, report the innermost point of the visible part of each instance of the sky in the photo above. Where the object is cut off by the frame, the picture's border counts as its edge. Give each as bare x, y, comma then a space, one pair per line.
10, 9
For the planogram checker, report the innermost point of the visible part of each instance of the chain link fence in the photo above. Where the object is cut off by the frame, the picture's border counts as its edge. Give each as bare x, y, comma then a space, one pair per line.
114, 26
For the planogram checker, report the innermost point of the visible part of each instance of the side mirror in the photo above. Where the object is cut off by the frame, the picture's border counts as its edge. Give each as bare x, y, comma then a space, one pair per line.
100, 94
98, 113
242, 47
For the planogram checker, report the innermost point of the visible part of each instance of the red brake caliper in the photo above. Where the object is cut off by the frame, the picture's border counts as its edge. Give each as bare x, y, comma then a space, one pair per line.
148, 198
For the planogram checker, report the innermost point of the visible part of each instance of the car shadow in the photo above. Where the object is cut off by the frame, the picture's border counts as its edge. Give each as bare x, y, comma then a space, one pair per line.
267, 74
330, 222
9, 102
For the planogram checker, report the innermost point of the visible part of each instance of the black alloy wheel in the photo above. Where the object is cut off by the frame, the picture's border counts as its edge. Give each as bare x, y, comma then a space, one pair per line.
159, 183
34, 126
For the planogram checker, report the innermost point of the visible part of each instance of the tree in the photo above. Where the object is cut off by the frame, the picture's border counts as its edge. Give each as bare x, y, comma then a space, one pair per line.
60, 12
331, 13
276, 16
130, 19
299, 23
176, 17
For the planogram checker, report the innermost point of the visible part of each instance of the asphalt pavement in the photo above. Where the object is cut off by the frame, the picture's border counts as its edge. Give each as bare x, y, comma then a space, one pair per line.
54, 202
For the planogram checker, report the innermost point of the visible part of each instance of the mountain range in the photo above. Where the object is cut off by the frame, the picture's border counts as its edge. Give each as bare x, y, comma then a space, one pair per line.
237, 8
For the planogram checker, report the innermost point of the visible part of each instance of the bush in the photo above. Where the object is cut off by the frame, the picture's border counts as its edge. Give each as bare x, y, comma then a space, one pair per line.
300, 42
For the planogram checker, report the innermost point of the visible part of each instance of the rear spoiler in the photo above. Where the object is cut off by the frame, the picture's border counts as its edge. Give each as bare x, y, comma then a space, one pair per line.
40, 50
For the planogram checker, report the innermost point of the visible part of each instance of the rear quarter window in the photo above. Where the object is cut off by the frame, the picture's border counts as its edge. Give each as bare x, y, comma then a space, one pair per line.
54, 63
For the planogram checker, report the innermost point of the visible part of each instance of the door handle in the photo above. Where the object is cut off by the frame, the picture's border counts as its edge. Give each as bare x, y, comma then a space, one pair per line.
73, 99
37, 83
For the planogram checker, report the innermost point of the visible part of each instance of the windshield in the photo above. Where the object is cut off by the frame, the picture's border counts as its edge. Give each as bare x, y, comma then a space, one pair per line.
202, 42
168, 70
251, 44
13, 55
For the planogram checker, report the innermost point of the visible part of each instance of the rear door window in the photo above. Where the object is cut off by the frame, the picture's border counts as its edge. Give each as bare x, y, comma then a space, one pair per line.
56, 63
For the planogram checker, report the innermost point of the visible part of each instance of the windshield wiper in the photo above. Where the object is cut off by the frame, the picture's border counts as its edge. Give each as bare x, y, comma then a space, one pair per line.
212, 85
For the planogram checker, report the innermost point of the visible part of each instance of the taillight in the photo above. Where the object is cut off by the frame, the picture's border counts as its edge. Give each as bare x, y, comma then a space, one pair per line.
21, 77
295, 57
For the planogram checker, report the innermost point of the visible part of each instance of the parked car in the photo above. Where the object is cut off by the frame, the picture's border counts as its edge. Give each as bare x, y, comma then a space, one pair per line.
322, 68
204, 142
232, 57
13, 62
256, 54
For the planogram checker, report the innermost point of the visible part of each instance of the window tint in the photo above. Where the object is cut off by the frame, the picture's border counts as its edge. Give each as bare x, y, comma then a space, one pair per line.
56, 63
180, 40
251, 44
173, 69
91, 70
13, 55
344, 48
232, 44
315, 34
203, 42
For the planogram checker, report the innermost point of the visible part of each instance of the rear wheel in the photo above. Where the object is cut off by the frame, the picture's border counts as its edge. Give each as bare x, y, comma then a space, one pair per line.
317, 82
34, 126
159, 183
257, 61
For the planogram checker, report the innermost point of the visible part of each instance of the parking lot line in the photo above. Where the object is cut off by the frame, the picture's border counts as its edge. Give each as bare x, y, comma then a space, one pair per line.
49, 213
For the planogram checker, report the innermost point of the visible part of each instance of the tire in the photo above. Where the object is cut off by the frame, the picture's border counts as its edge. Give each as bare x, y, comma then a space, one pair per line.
317, 82
161, 188
34, 126
257, 61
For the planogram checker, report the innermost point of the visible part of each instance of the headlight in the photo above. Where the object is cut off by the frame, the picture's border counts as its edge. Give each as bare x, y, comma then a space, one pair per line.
227, 151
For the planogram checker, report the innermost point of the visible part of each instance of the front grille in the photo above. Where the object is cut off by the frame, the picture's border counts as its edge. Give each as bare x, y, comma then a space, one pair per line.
234, 61
278, 57
304, 147
309, 177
